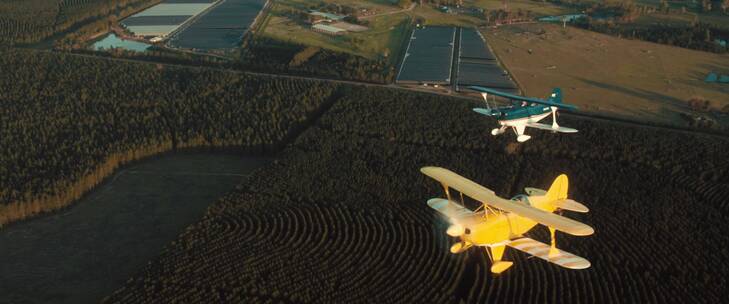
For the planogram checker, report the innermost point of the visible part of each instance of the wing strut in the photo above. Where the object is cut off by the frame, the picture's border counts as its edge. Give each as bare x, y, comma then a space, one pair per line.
448, 194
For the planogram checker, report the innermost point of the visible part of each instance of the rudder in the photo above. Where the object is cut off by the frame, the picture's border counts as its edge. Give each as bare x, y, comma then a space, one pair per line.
556, 95
558, 190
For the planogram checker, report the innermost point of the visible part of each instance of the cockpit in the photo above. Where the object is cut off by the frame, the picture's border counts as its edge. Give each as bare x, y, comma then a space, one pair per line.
522, 199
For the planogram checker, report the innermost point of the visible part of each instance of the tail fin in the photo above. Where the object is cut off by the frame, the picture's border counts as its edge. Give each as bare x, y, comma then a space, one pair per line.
558, 190
556, 95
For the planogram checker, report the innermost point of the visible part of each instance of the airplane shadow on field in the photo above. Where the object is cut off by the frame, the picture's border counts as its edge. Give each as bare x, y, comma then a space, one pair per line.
668, 100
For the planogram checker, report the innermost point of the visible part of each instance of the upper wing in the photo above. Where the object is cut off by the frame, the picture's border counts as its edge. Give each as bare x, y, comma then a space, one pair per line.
487, 196
568, 204
522, 98
541, 250
549, 127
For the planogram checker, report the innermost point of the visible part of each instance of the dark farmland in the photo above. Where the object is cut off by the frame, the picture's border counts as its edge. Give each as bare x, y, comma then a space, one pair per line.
478, 66
154, 20
220, 28
429, 56
83, 253
342, 218
473, 46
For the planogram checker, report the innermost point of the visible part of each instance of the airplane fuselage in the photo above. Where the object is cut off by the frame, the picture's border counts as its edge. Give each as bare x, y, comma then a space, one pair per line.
499, 228
522, 115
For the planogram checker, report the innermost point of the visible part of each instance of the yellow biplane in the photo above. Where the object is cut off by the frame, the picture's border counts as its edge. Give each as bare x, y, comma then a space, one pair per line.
501, 222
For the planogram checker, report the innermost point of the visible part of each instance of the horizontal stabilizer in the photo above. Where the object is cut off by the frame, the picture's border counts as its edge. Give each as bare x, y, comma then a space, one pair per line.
568, 204
541, 250
550, 128
487, 112
534, 191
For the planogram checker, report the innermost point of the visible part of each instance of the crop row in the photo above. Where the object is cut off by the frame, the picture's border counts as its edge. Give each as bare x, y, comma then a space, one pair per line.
341, 217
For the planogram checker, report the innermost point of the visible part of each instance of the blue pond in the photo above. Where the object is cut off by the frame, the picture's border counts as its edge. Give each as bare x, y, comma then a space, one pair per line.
112, 41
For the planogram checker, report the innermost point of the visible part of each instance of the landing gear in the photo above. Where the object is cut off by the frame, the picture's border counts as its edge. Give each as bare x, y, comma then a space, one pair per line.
523, 138
554, 118
498, 266
460, 247
498, 131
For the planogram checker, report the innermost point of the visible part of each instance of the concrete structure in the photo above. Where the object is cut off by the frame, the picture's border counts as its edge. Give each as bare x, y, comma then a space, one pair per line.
327, 16
327, 29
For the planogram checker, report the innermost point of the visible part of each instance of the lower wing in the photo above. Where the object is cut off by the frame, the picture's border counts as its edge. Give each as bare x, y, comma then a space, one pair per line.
451, 209
541, 250
549, 127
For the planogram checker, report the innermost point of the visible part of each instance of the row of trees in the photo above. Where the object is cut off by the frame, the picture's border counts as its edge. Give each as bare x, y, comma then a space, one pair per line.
341, 216
69, 121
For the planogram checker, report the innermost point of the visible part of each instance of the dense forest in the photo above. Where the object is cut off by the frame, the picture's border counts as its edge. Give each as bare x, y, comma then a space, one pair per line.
69, 121
30, 21
341, 216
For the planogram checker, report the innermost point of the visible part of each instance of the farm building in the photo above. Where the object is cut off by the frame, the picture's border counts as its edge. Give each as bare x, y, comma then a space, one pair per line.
318, 17
327, 29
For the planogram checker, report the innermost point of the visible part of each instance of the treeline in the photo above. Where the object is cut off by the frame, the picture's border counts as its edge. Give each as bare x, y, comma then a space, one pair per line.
501, 16
341, 216
69, 121
700, 36
30, 21
269, 55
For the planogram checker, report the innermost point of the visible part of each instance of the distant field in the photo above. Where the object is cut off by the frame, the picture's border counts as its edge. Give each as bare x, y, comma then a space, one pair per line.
384, 38
684, 19
693, 11
433, 16
602, 73
538, 7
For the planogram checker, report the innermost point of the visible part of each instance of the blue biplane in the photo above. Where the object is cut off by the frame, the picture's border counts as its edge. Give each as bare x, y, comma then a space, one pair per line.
524, 112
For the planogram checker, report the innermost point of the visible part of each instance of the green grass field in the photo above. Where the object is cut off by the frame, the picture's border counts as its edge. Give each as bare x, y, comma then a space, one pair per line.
383, 39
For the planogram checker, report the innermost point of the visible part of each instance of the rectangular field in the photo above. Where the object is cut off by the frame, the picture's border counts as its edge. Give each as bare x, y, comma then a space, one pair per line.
156, 20
164, 18
429, 56
221, 27
478, 66
384, 38
175, 9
